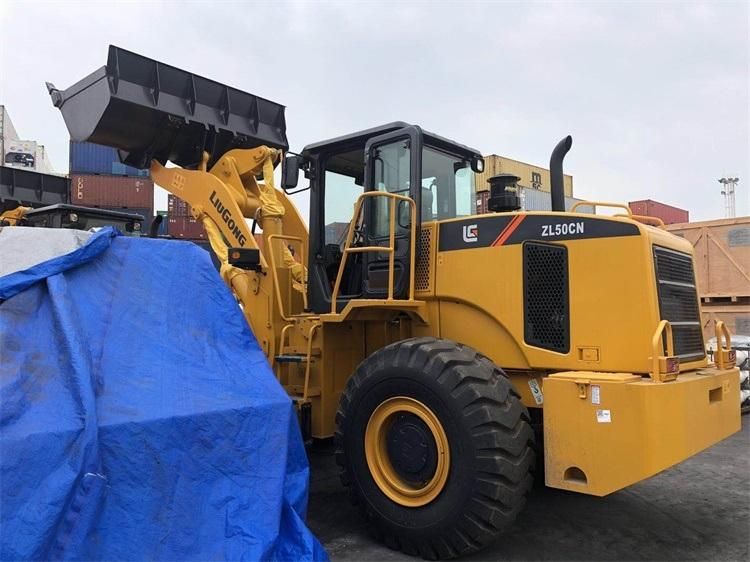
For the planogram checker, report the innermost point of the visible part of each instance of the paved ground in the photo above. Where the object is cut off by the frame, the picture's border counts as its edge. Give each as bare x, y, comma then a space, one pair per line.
699, 510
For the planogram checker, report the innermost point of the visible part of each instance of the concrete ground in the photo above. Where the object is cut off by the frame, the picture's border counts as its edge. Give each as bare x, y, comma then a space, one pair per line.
698, 510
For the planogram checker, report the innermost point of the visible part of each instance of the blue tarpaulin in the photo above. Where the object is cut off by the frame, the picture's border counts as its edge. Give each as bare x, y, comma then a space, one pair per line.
139, 419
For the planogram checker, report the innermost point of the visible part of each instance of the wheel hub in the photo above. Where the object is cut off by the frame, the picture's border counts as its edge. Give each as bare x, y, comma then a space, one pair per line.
412, 449
407, 452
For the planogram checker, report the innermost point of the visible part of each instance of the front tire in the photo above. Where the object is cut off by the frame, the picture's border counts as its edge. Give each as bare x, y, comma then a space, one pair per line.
435, 446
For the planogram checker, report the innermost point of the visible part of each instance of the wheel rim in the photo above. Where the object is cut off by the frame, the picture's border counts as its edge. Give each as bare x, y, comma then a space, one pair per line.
407, 451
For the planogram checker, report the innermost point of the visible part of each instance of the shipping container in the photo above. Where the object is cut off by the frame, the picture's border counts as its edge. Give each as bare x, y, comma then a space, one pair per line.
111, 191
531, 200
736, 317
20, 154
7, 130
185, 227
722, 256
90, 158
43, 164
176, 207
532, 177
667, 213
535, 200
482, 198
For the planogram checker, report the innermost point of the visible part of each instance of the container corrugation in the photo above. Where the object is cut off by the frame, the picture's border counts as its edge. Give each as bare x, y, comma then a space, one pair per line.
176, 207
536, 200
531, 200
667, 213
185, 227
532, 177
90, 158
722, 256
111, 191
482, 198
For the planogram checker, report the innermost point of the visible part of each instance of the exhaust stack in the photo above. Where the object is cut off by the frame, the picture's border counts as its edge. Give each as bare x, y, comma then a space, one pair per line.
556, 173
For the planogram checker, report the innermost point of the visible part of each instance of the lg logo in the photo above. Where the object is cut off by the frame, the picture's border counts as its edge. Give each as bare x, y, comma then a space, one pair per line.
470, 232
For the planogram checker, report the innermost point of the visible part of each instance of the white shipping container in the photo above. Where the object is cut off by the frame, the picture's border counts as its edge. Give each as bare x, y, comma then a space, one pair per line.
537, 200
20, 154
7, 130
43, 164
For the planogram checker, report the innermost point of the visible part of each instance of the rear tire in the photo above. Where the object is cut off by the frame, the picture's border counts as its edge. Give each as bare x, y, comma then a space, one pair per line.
435, 446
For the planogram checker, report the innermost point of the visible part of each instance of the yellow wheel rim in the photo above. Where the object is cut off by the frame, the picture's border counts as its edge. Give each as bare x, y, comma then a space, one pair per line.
388, 479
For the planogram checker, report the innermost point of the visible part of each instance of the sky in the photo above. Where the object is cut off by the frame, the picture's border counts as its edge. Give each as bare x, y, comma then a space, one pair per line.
655, 94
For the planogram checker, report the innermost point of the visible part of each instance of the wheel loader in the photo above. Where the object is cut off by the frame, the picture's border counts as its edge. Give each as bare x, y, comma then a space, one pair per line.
453, 357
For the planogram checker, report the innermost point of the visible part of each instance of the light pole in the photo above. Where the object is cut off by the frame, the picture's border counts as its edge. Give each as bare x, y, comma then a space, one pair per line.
727, 190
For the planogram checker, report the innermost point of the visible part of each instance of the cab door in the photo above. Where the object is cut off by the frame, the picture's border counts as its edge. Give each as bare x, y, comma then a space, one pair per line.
393, 163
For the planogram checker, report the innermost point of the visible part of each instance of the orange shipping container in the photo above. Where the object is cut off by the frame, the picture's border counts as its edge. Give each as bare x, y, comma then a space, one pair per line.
111, 191
176, 207
667, 213
185, 227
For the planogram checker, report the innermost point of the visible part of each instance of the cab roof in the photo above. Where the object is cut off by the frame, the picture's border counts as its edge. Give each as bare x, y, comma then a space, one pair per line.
359, 138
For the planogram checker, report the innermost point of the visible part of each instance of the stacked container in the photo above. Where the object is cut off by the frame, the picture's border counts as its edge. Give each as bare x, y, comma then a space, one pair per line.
531, 200
90, 158
667, 213
181, 223
98, 179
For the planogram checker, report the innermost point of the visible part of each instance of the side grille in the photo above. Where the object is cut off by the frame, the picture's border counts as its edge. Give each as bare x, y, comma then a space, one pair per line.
678, 301
422, 271
545, 296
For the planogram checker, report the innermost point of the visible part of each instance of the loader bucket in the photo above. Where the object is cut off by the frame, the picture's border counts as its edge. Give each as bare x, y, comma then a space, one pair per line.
150, 110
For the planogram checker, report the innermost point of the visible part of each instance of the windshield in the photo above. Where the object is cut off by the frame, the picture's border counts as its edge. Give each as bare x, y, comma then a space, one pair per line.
447, 186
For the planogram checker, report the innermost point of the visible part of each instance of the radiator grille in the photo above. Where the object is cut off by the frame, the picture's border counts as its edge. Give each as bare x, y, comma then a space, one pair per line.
678, 301
545, 295
422, 272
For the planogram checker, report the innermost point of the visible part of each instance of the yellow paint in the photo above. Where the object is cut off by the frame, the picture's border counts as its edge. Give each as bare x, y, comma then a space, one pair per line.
376, 453
475, 297
652, 425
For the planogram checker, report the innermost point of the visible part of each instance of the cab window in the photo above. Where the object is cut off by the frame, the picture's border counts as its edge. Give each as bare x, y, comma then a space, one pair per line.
447, 186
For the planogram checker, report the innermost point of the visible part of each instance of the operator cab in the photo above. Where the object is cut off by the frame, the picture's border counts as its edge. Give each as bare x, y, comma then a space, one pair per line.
436, 173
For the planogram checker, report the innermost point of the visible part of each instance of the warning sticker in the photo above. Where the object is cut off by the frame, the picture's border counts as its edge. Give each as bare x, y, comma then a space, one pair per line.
596, 394
536, 392
603, 416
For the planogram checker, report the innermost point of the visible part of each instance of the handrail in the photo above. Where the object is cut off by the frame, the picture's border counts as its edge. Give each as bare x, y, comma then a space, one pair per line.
657, 349
653, 221
725, 355
390, 249
276, 287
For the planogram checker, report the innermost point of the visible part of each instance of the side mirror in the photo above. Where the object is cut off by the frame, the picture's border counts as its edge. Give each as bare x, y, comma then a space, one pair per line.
290, 171
477, 164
